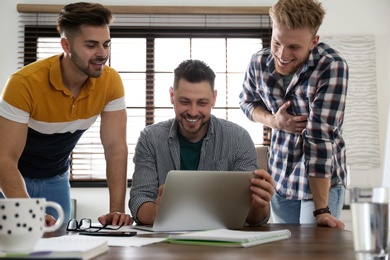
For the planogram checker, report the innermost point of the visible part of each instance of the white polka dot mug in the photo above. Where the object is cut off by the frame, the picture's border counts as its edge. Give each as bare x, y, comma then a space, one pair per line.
22, 223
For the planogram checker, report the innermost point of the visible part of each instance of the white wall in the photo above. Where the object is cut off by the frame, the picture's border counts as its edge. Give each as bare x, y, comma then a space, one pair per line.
93, 202
386, 177
347, 17
357, 18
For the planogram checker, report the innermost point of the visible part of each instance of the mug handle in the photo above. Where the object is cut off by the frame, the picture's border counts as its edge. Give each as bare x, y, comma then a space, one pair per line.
60, 218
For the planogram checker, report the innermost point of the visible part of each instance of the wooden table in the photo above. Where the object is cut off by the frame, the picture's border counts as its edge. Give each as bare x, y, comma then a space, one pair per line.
306, 242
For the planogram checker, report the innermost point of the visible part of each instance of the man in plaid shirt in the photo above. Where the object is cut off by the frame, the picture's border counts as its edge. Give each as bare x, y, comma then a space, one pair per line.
298, 87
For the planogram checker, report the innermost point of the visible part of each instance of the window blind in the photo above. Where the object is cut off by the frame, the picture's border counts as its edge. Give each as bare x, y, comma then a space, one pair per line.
145, 50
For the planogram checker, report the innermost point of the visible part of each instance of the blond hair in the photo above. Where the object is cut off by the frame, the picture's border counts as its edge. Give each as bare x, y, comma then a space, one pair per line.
298, 14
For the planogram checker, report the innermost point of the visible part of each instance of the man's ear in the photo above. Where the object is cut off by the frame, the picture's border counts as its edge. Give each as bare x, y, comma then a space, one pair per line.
65, 44
314, 42
214, 97
171, 95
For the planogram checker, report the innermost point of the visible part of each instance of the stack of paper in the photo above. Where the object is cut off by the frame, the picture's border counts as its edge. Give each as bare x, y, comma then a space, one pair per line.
229, 238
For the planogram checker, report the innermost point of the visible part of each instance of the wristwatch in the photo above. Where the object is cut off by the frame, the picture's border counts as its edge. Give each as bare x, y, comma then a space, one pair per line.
321, 211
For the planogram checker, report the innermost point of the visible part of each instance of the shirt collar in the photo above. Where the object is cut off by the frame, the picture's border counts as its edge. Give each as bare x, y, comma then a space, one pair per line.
56, 77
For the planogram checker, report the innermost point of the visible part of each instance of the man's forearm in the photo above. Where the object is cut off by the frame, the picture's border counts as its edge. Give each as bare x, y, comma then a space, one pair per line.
117, 183
257, 215
117, 199
11, 183
263, 116
320, 189
117, 190
147, 213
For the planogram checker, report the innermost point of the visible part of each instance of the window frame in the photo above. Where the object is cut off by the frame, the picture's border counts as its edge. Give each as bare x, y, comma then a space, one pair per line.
150, 33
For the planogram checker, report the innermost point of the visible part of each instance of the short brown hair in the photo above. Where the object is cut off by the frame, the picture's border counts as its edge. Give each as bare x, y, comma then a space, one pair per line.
298, 14
194, 71
72, 16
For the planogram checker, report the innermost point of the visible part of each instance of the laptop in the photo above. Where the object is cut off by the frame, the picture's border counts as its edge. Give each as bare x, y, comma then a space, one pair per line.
202, 200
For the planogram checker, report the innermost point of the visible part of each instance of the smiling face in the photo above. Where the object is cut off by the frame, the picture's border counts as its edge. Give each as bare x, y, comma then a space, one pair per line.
291, 47
89, 49
192, 104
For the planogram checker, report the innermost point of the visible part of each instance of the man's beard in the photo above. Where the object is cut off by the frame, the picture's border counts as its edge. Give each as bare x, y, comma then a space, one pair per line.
85, 69
192, 131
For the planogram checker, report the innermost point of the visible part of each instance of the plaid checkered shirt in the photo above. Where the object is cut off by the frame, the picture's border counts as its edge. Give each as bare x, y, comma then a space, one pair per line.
318, 89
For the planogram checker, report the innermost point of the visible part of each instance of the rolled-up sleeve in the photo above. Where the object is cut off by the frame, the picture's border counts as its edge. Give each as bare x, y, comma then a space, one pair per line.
249, 96
324, 128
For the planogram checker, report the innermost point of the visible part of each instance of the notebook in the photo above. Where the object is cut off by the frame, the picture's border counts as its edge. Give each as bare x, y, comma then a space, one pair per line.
63, 247
202, 200
229, 238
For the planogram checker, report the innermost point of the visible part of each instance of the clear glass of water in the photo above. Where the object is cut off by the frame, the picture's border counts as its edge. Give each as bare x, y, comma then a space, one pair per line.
370, 222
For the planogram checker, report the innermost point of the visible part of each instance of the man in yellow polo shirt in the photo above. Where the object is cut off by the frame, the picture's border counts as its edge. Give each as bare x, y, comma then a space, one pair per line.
47, 105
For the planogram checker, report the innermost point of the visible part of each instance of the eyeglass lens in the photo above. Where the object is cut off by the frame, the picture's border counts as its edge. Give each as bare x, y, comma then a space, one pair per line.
85, 223
72, 224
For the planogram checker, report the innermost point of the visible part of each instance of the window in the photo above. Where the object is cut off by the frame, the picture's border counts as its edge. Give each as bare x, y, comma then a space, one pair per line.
145, 57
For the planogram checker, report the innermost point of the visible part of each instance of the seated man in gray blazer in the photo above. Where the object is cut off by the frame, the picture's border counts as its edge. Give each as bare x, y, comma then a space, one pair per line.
194, 140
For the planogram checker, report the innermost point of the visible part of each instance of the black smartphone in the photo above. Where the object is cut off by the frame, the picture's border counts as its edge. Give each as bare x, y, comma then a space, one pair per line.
111, 234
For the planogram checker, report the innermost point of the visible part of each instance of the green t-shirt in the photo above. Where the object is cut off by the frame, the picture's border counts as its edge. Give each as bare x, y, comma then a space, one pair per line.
286, 81
189, 153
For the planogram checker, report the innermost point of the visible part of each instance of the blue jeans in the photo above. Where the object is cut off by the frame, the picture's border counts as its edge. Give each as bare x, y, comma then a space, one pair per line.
301, 211
55, 189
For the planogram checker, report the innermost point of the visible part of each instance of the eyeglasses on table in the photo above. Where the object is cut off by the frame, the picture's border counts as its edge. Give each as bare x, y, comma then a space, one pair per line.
85, 224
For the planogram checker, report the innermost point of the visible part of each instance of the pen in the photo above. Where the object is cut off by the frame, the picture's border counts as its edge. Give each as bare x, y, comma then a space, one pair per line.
40, 253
